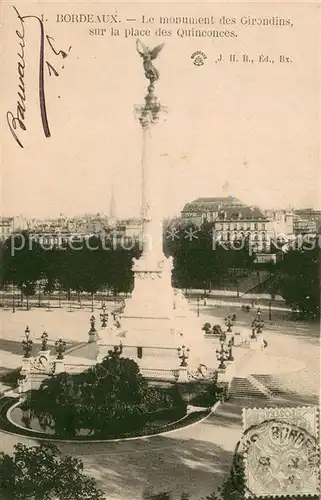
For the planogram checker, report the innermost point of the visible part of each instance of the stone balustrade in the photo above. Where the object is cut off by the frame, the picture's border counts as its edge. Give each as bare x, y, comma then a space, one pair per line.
160, 373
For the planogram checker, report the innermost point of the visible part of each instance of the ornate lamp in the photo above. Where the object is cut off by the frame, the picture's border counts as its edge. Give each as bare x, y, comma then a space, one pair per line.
27, 344
60, 346
103, 317
229, 323
222, 337
44, 341
222, 356
253, 335
183, 354
257, 324
230, 353
92, 324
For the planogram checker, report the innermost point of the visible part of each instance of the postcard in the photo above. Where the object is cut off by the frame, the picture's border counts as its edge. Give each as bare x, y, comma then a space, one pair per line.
160, 250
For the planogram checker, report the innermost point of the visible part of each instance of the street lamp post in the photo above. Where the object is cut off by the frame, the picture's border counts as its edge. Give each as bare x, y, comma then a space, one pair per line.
222, 355
257, 325
228, 323
92, 323
92, 332
258, 314
13, 299
183, 354
27, 344
60, 346
259, 322
222, 337
253, 335
230, 353
44, 341
104, 317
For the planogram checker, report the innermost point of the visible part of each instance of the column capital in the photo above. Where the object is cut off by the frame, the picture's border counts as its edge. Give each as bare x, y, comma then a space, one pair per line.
149, 113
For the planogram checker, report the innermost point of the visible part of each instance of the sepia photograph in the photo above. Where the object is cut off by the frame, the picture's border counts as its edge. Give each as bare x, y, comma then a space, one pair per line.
160, 250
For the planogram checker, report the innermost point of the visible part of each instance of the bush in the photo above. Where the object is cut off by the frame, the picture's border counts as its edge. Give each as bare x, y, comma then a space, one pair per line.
108, 399
217, 330
11, 377
207, 328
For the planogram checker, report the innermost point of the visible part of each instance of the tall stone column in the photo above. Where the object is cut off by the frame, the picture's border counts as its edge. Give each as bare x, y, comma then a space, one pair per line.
151, 209
152, 296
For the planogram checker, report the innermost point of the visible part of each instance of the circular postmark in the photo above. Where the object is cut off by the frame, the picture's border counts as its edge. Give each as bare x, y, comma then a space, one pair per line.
280, 459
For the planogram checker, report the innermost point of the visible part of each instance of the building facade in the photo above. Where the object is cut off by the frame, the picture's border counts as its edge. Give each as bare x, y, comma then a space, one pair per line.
231, 221
305, 226
6, 227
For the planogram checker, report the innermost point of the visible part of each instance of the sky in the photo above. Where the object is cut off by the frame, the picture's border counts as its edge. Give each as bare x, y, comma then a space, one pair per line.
240, 129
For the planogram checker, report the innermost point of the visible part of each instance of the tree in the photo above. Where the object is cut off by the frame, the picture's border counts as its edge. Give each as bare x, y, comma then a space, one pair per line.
108, 399
199, 259
22, 263
297, 277
41, 473
194, 258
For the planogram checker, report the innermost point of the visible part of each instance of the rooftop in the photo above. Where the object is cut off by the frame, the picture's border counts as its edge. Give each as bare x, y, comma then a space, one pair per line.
226, 207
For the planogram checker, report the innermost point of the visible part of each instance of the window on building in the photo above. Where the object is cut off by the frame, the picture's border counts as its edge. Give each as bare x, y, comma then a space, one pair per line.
139, 352
256, 226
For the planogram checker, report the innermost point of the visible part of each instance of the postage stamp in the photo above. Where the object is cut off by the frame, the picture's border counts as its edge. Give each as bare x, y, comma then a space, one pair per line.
281, 451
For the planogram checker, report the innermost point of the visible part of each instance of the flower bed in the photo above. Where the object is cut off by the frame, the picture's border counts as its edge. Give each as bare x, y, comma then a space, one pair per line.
152, 427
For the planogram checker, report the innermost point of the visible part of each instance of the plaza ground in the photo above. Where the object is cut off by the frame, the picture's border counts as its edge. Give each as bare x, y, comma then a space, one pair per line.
194, 459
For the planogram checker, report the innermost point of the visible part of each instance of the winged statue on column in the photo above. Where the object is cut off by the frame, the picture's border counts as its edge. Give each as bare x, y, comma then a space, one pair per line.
148, 55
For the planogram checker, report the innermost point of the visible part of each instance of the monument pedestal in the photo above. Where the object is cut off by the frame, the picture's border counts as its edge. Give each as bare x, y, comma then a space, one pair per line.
26, 365
182, 374
92, 336
59, 366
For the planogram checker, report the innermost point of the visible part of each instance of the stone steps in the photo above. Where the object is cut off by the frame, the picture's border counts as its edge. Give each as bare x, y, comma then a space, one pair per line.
242, 387
290, 383
275, 386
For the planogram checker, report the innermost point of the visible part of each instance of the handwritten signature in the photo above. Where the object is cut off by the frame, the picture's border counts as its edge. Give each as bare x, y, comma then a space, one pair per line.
16, 121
